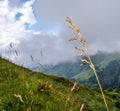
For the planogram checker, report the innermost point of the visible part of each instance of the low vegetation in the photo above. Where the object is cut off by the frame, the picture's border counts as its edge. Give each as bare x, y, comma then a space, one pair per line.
25, 90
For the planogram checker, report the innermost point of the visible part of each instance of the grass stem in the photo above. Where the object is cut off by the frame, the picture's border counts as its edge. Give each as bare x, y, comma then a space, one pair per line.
83, 49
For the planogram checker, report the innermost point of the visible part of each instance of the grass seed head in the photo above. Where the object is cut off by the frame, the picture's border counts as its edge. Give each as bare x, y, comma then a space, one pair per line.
73, 39
74, 86
20, 97
85, 52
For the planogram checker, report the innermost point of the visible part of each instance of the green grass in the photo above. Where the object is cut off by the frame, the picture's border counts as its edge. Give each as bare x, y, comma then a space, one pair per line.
41, 92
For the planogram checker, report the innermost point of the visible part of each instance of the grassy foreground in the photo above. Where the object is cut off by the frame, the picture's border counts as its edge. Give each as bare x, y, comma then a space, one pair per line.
24, 90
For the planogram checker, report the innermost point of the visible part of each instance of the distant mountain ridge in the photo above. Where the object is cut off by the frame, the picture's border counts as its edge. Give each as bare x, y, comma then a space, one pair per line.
107, 65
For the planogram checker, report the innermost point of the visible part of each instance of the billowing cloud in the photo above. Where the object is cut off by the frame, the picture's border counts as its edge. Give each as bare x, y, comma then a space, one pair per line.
14, 21
99, 21
38, 28
15, 26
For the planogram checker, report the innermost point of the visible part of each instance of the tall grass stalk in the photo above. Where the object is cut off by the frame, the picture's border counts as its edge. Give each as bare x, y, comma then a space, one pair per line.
84, 52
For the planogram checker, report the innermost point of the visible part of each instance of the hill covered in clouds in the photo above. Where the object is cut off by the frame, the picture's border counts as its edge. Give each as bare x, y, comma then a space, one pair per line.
107, 65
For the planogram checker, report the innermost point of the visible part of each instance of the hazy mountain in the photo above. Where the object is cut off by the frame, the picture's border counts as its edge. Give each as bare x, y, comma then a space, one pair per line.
108, 70
107, 65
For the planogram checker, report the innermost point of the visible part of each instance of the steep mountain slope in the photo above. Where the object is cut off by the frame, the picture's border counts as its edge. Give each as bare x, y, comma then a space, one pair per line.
108, 71
105, 64
64, 69
25, 90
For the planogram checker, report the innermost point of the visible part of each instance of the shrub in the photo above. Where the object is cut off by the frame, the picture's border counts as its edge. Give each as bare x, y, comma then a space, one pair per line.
44, 86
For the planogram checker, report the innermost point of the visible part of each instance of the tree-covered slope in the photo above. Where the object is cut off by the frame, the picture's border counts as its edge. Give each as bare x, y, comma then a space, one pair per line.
107, 65
25, 90
108, 71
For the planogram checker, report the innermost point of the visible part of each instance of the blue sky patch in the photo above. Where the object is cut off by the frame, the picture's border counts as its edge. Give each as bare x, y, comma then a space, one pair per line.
18, 15
27, 26
23, 1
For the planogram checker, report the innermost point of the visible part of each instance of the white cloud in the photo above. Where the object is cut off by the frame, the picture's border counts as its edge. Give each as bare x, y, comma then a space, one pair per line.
27, 11
99, 22
13, 29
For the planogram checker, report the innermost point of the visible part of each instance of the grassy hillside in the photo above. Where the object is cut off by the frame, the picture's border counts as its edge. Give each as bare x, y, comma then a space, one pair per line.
25, 90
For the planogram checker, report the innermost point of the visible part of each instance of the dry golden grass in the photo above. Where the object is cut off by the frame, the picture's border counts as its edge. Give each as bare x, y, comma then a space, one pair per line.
81, 107
20, 97
83, 51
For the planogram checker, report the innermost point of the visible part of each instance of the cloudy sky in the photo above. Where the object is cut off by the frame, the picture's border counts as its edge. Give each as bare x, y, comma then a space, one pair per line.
35, 31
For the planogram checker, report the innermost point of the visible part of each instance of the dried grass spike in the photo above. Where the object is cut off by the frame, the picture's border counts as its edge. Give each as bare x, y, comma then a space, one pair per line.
32, 58
84, 50
85, 62
79, 55
72, 25
16, 52
77, 48
81, 109
20, 97
73, 88
11, 45
72, 39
